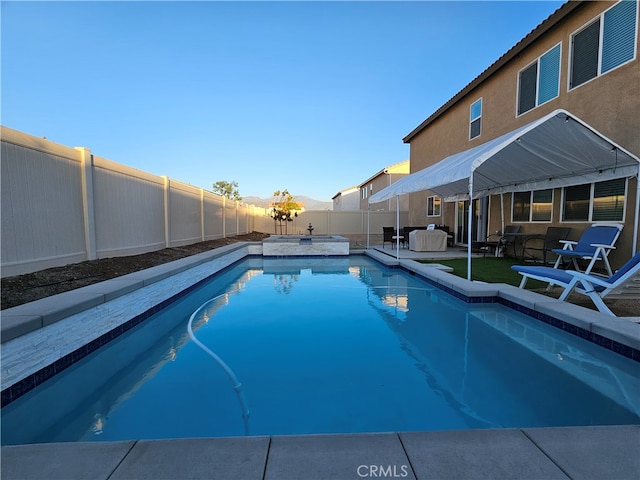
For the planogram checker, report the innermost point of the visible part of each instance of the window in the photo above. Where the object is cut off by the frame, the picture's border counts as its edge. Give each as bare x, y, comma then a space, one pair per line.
521, 206
475, 119
595, 202
542, 204
434, 206
364, 192
576, 203
539, 82
608, 200
532, 206
606, 43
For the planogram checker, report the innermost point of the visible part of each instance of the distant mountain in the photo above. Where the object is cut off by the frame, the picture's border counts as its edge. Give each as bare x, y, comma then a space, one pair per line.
313, 204
309, 203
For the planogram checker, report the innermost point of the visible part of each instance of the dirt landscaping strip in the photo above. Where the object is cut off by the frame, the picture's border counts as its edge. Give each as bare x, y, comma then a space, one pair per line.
44, 283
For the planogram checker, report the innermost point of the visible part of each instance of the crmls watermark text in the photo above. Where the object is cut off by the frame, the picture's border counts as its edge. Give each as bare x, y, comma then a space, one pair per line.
383, 471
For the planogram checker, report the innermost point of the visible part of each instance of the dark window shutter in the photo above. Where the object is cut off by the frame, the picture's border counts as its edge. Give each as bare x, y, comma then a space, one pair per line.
584, 60
528, 81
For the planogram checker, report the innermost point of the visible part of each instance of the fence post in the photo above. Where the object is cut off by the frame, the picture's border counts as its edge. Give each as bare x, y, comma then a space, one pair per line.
202, 231
224, 216
167, 211
88, 211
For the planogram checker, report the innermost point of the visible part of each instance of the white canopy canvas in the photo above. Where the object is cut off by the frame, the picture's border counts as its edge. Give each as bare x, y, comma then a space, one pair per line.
556, 150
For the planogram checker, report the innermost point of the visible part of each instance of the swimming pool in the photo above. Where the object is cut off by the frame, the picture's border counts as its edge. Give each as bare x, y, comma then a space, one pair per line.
326, 346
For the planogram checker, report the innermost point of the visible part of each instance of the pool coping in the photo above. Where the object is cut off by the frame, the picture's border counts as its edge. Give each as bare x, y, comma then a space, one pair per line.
23, 327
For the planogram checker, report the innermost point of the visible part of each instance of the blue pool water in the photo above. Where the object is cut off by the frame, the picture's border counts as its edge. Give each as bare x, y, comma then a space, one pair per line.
326, 346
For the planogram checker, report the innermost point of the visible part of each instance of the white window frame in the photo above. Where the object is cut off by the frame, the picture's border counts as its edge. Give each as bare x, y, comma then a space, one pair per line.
591, 192
479, 117
600, 40
553, 193
433, 198
537, 62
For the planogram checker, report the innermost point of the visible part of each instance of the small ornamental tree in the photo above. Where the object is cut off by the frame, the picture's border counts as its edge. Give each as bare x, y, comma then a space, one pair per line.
227, 189
283, 210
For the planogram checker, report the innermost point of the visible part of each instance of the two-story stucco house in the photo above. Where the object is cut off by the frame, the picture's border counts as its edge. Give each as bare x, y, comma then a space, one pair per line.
380, 180
583, 60
347, 199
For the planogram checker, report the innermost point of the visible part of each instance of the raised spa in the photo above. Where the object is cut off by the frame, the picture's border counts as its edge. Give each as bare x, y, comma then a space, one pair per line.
305, 245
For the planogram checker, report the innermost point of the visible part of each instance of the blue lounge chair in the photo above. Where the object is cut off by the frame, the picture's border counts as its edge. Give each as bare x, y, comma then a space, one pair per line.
595, 244
625, 283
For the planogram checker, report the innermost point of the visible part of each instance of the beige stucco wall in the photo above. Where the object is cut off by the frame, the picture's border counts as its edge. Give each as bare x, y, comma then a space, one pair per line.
609, 103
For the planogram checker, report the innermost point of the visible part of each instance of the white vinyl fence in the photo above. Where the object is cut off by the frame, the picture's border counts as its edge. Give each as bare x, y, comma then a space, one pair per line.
63, 205
334, 222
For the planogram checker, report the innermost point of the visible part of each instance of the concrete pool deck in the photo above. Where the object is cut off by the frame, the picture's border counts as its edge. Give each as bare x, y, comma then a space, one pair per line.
598, 453
577, 452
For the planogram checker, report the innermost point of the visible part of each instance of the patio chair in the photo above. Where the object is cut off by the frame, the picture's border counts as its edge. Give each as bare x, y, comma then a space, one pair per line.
550, 240
507, 239
405, 233
625, 283
387, 235
595, 244
445, 229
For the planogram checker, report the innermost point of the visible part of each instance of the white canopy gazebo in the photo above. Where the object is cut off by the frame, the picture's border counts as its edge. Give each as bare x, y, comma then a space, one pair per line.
556, 150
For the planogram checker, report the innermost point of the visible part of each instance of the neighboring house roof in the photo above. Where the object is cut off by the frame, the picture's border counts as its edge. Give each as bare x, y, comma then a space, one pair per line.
396, 168
346, 191
555, 18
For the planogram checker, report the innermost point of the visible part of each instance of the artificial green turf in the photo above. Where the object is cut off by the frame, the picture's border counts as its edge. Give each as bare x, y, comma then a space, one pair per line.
488, 269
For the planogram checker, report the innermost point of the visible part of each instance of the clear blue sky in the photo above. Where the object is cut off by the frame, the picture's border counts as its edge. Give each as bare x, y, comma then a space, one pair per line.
314, 97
